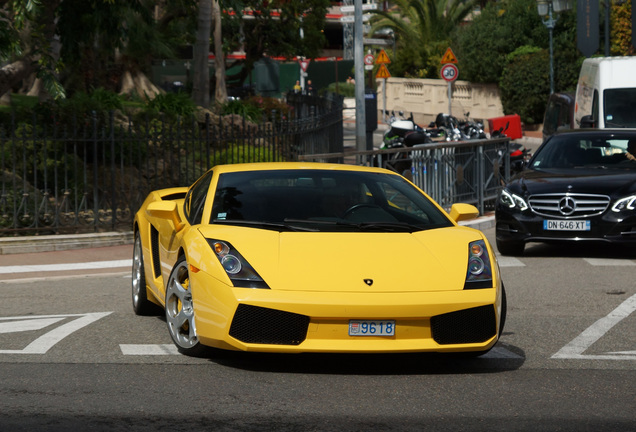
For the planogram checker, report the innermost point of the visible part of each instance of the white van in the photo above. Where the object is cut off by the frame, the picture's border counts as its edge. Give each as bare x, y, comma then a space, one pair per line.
606, 93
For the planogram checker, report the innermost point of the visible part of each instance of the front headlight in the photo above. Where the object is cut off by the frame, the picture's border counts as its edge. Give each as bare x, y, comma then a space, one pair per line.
512, 201
479, 273
240, 272
628, 203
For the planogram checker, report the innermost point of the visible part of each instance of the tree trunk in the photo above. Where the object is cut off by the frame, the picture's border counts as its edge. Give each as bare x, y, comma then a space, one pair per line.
220, 93
12, 74
201, 70
139, 84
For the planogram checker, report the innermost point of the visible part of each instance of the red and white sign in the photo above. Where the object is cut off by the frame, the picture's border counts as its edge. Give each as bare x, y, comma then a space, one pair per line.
304, 64
449, 72
369, 59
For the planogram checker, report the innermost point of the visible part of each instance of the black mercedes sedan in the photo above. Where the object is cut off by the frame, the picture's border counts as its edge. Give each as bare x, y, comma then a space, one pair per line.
580, 185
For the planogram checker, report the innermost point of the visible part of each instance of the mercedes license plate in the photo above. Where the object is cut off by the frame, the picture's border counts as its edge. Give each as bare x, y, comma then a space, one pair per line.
371, 328
566, 225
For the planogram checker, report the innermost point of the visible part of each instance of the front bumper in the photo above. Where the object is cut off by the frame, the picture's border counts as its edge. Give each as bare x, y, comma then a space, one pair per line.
528, 227
293, 321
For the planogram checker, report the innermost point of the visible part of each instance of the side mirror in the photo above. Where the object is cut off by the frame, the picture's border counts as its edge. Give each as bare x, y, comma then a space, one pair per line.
461, 212
587, 122
166, 210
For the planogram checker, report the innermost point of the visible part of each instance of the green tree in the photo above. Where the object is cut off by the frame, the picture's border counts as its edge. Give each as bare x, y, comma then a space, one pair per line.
422, 29
274, 29
27, 43
86, 44
483, 45
621, 25
524, 84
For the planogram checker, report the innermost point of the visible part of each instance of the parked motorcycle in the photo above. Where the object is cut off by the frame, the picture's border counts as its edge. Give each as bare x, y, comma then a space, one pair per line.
402, 133
519, 154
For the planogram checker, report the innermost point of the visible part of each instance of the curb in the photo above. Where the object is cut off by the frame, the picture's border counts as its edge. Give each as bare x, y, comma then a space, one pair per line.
481, 223
49, 243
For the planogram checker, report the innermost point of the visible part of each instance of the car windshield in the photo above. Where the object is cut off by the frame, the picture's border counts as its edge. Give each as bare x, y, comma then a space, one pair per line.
620, 110
586, 151
323, 200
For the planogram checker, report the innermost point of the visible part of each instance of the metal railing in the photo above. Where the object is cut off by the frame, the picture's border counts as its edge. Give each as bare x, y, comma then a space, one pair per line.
450, 172
92, 173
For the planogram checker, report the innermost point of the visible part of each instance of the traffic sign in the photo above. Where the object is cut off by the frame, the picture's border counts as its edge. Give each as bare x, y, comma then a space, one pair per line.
368, 59
304, 64
449, 57
449, 72
382, 58
383, 72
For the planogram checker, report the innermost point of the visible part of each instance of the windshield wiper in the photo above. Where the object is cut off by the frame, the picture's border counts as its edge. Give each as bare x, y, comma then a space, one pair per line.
262, 224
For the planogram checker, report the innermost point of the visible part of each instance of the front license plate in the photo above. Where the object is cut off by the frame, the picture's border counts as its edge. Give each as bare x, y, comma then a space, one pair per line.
372, 328
565, 225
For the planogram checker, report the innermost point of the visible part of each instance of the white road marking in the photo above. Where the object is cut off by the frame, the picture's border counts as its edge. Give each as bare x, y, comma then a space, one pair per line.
505, 261
27, 325
25, 268
149, 349
45, 342
609, 262
578, 345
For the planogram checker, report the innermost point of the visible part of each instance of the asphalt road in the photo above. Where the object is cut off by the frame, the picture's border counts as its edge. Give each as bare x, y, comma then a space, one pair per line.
73, 356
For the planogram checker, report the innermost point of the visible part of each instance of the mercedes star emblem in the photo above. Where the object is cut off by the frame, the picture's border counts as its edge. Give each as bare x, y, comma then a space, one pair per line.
567, 205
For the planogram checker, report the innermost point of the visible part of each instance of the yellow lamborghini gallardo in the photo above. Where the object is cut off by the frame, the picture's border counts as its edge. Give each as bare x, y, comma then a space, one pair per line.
307, 257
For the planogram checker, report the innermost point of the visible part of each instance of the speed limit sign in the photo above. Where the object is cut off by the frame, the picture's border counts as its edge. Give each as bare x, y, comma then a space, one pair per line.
449, 72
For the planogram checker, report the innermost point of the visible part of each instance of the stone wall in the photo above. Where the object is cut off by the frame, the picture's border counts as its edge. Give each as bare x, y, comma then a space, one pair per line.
425, 98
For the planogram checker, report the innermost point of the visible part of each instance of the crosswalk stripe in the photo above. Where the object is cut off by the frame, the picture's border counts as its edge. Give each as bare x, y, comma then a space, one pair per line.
148, 349
505, 261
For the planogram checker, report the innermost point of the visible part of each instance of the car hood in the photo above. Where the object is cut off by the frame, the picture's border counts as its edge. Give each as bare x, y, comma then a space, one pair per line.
433, 260
590, 181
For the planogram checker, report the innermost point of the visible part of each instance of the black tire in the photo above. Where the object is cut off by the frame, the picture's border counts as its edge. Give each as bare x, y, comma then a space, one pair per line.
180, 311
510, 247
141, 304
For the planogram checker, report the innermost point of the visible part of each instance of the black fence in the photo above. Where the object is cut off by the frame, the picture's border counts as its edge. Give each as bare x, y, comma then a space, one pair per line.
92, 172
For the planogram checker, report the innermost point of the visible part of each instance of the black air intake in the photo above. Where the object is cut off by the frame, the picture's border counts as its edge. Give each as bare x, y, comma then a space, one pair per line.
253, 324
465, 326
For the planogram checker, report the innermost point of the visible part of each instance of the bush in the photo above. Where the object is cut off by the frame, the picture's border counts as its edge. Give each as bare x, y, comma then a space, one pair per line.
236, 153
172, 105
525, 84
255, 108
243, 109
345, 89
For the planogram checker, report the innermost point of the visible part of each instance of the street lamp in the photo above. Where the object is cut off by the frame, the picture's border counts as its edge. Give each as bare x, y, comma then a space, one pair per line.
546, 8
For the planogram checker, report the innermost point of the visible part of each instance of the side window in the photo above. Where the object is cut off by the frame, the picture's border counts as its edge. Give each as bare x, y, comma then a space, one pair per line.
195, 199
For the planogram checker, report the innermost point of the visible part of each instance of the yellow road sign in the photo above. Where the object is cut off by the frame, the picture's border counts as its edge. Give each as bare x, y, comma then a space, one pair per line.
449, 57
382, 58
383, 72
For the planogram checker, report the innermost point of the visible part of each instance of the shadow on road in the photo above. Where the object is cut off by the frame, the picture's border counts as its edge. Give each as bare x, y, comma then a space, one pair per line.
373, 364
